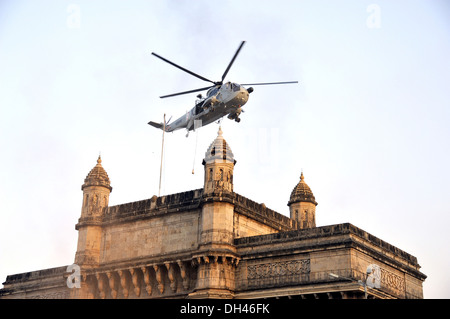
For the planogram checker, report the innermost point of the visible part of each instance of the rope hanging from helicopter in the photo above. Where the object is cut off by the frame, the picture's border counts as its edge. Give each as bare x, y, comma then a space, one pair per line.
197, 126
195, 151
162, 156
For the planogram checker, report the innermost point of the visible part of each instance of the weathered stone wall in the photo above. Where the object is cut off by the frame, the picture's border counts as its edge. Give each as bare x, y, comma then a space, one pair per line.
245, 226
151, 236
174, 223
262, 214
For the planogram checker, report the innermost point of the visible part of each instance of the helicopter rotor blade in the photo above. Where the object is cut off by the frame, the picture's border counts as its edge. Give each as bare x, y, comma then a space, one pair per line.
186, 92
232, 61
271, 83
181, 68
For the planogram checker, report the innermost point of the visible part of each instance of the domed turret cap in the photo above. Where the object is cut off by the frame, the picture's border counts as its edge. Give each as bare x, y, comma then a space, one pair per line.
302, 193
97, 177
219, 150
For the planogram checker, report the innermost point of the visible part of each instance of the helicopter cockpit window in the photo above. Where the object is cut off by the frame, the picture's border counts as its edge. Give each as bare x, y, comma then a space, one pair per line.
235, 87
212, 91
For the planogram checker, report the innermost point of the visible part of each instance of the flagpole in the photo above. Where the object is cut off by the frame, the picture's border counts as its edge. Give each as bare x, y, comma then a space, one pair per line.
162, 155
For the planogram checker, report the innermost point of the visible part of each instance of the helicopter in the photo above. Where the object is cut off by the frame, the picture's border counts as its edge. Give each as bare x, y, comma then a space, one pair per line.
222, 99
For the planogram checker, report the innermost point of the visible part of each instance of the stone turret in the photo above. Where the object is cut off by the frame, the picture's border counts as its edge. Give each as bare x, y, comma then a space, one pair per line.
219, 165
217, 253
96, 190
302, 204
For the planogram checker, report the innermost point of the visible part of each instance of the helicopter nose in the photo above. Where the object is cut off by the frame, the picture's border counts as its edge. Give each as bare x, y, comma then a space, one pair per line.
243, 96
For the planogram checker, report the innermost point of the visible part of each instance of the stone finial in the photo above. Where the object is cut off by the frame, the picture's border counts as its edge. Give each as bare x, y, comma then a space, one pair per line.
219, 150
302, 193
97, 176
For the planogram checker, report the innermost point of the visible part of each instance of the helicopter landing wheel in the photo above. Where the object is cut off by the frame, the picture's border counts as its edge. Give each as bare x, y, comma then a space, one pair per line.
238, 119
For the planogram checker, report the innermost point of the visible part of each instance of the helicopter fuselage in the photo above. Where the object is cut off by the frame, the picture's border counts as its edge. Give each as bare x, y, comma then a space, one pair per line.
221, 100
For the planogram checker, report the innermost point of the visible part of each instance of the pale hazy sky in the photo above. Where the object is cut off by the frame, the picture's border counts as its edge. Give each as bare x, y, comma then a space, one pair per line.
368, 123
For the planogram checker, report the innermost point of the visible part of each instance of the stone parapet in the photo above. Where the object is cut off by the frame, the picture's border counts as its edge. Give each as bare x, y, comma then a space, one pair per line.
41, 284
324, 232
191, 200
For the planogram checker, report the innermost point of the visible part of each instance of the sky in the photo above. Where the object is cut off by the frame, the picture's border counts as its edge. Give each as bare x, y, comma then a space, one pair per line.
368, 122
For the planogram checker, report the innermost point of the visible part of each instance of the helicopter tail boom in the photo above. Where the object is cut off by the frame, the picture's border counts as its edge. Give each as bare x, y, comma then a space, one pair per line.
158, 125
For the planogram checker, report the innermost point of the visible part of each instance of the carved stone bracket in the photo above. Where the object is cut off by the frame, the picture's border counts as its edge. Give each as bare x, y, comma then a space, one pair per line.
101, 285
135, 280
183, 273
121, 283
148, 285
159, 278
216, 258
112, 284
171, 276
124, 282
